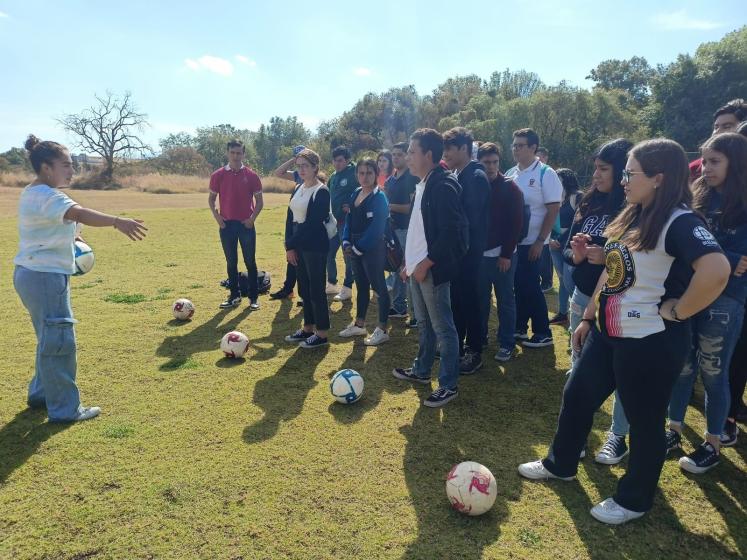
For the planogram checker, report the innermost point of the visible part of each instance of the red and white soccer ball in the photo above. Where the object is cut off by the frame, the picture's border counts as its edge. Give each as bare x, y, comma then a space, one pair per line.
234, 344
183, 309
471, 488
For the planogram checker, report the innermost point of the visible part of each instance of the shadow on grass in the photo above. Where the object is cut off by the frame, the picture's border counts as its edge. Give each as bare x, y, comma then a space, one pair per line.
281, 396
22, 436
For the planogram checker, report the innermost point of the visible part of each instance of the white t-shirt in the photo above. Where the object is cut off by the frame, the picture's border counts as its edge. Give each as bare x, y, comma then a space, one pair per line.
299, 204
416, 248
537, 192
46, 238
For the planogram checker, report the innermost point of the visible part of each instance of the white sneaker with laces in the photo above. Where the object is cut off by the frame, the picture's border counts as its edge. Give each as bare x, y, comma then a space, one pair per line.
87, 412
353, 330
331, 289
537, 471
612, 513
379, 336
345, 294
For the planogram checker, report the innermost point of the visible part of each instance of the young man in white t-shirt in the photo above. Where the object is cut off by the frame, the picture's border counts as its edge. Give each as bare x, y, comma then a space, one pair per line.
542, 192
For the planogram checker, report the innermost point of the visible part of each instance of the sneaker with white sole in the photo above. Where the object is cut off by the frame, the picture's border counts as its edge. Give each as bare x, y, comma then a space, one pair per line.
537, 471
521, 335
612, 513
353, 330
537, 341
379, 336
254, 305
87, 412
299, 336
440, 397
613, 450
344, 295
314, 341
412, 323
504, 354
231, 301
729, 437
409, 375
703, 459
469, 363
331, 289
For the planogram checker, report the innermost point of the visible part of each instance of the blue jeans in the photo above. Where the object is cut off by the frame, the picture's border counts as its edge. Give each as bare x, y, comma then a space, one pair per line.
565, 280
401, 297
234, 234
492, 279
368, 270
435, 325
716, 330
334, 245
530, 301
46, 296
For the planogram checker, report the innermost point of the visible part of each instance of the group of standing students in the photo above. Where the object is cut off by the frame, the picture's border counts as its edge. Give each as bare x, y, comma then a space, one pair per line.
652, 270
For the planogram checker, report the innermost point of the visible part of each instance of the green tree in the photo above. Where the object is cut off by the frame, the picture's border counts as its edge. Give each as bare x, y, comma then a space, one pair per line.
178, 140
633, 76
182, 160
273, 142
210, 141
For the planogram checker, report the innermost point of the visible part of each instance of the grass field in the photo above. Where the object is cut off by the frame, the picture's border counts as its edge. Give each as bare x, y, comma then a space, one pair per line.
197, 456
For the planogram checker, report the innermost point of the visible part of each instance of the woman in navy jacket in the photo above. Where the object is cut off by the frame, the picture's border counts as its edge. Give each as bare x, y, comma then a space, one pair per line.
363, 241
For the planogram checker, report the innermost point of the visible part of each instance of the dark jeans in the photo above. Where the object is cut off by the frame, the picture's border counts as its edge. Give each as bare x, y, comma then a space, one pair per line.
738, 372
530, 301
334, 245
311, 272
290, 278
231, 236
368, 271
644, 371
465, 304
492, 279
546, 267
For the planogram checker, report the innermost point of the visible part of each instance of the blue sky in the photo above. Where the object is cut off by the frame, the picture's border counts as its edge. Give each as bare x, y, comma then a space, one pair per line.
191, 64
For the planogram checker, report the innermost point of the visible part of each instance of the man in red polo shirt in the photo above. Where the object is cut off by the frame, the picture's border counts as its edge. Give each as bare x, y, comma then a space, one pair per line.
240, 193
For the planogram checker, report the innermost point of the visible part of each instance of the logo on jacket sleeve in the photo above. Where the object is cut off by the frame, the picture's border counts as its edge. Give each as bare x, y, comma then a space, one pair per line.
343, 182
704, 236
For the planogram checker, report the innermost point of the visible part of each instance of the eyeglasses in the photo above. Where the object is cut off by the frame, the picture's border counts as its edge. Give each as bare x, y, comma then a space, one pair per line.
517, 146
627, 175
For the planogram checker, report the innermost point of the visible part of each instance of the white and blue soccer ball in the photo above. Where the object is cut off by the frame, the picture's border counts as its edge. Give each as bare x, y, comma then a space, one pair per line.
346, 386
84, 258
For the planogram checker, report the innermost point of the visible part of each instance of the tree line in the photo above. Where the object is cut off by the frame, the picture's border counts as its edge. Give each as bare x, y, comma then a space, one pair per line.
630, 98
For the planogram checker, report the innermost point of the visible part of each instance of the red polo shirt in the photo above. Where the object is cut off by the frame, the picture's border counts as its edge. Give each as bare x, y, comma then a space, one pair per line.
236, 191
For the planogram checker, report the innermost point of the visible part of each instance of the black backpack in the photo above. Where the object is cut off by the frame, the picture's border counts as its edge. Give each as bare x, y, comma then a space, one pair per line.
263, 283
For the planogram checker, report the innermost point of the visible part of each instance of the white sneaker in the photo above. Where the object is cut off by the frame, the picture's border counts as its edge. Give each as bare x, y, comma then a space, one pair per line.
345, 294
353, 330
379, 336
331, 289
612, 513
86, 413
537, 471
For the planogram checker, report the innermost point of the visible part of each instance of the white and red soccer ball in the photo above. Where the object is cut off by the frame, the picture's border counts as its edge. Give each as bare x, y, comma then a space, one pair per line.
234, 344
471, 488
183, 309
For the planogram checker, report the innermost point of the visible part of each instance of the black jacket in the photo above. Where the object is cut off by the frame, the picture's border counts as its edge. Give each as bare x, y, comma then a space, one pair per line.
444, 223
310, 235
476, 205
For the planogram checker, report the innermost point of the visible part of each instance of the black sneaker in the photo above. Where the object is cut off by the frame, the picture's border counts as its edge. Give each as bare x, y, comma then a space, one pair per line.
521, 335
412, 323
232, 301
559, 319
314, 341
394, 314
470, 363
674, 440
282, 294
729, 437
440, 397
704, 458
408, 375
299, 336
537, 341
613, 450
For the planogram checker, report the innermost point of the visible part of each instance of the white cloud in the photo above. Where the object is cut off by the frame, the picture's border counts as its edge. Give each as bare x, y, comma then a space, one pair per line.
245, 60
362, 71
213, 64
679, 21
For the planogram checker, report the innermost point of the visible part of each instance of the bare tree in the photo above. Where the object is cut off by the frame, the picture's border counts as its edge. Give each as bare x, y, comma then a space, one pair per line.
110, 129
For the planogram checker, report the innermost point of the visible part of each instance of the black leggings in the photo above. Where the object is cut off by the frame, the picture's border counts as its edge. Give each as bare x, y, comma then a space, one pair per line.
738, 373
643, 370
312, 277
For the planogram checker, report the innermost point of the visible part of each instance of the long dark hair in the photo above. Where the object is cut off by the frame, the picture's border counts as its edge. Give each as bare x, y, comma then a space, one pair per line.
614, 153
667, 157
388, 156
734, 189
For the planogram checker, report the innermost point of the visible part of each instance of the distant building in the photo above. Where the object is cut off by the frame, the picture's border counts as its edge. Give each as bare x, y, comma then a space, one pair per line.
84, 161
